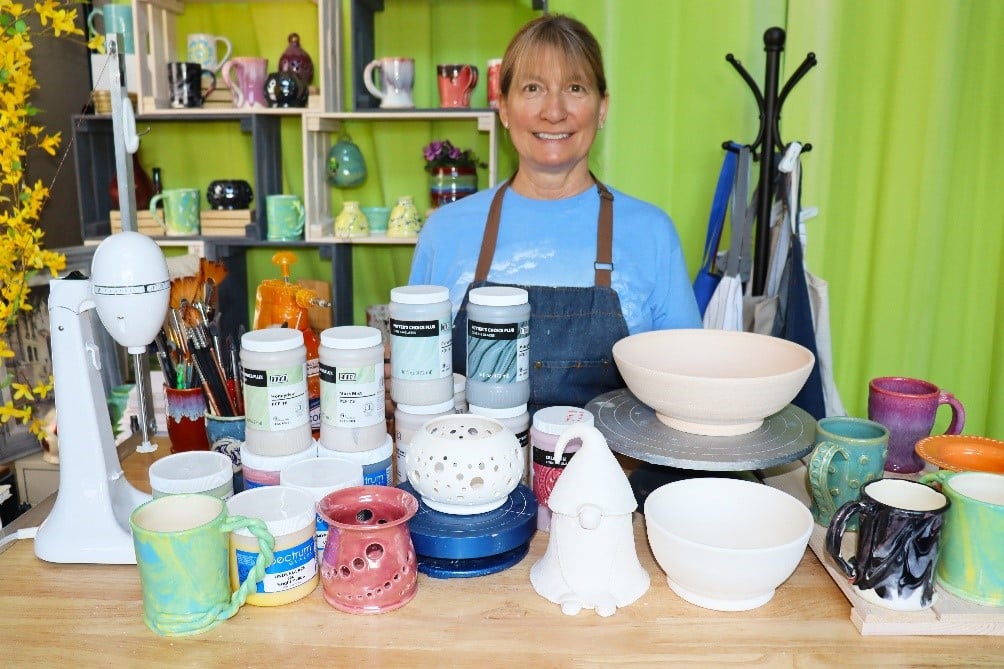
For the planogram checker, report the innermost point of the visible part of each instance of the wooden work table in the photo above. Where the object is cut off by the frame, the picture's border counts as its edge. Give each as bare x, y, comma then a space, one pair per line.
91, 616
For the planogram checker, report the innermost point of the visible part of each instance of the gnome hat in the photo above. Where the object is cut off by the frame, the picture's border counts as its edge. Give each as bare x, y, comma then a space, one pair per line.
593, 476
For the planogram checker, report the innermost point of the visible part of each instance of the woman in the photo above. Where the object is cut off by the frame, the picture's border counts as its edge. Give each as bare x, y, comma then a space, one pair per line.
550, 228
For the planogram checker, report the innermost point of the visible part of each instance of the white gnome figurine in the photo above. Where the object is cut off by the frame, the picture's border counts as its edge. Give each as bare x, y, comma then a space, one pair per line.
590, 560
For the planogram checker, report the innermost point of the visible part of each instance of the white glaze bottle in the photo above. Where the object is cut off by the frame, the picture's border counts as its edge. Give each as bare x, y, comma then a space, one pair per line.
276, 408
352, 388
421, 345
498, 347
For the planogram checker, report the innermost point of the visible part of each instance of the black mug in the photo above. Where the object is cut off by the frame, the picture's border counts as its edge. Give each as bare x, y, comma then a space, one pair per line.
184, 81
899, 525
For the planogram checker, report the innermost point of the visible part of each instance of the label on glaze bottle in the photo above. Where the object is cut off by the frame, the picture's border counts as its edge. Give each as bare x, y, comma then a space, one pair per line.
352, 396
292, 567
498, 352
423, 350
320, 535
276, 399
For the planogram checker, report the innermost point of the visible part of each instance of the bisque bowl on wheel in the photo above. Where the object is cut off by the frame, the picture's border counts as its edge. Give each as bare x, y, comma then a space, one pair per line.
712, 382
726, 544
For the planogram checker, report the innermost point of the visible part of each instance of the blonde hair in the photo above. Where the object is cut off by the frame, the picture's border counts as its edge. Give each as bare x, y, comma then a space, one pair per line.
567, 36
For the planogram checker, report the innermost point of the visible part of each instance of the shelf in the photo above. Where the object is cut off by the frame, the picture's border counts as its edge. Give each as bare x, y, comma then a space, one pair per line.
318, 130
94, 158
155, 24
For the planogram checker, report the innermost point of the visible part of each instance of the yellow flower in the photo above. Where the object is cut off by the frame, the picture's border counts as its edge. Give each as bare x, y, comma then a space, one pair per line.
22, 202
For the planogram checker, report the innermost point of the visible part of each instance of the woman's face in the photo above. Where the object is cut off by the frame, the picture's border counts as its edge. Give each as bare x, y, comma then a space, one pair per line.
553, 111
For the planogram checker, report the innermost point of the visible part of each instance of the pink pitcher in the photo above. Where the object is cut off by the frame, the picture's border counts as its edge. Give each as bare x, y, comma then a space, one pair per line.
369, 563
248, 80
455, 84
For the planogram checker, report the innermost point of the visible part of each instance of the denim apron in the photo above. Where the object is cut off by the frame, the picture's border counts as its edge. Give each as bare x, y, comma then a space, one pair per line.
572, 329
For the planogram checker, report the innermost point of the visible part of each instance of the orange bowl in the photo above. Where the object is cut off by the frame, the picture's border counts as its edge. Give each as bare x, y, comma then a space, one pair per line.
963, 453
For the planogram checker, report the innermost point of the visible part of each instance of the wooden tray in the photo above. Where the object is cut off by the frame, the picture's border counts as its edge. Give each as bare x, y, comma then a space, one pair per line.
225, 222
949, 615
144, 223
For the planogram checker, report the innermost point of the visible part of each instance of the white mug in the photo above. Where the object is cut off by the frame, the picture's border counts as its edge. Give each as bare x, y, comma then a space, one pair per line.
397, 78
202, 50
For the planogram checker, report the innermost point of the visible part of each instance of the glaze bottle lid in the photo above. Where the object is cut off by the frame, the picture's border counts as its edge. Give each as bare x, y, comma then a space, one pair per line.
499, 296
508, 412
554, 420
420, 294
271, 340
427, 409
351, 337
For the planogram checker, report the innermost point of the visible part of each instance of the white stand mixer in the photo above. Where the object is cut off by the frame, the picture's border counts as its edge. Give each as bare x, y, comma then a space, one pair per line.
129, 289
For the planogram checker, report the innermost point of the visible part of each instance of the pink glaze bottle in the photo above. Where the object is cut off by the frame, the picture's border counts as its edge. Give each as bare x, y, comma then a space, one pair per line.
548, 424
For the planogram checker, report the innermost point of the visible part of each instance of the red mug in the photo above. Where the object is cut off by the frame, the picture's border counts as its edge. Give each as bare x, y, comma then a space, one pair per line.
455, 84
186, 419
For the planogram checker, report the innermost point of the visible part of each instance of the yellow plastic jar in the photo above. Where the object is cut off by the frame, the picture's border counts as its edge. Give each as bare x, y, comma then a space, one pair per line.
289, 515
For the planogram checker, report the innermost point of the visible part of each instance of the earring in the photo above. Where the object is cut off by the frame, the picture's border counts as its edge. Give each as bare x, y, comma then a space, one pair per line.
505, 125
603, 122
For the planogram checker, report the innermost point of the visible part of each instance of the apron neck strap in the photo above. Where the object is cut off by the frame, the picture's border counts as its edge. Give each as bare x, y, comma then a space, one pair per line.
604, 234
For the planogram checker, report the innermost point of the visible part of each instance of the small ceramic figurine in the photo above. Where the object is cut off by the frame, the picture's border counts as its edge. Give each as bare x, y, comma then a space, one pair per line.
590, 560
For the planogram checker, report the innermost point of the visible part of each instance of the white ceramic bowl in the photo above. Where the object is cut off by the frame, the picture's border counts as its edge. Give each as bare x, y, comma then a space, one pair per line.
726, 544
712, 382
464, 464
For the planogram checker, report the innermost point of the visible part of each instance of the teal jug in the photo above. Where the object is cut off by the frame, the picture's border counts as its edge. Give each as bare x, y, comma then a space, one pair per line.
346, 167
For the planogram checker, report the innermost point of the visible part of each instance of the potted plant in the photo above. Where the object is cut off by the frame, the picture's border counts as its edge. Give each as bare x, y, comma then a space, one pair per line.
453, 172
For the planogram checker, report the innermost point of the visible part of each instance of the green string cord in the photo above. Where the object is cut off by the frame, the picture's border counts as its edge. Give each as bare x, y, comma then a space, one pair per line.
266, 545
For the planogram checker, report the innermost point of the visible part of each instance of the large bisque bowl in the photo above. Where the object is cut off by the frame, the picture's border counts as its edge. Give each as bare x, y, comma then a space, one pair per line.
726, 544
712, 382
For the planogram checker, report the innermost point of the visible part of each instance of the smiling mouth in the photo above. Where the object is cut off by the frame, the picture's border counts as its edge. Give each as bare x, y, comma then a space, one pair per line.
552, 135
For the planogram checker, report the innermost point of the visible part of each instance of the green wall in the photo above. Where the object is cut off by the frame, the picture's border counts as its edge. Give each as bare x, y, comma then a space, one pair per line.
902, 112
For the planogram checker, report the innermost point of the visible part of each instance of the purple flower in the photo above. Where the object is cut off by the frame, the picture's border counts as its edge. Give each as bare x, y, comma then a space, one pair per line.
442, 153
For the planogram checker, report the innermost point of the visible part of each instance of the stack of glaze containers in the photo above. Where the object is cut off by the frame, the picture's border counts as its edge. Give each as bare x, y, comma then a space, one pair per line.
421, 361
277, 409
548, 424
498, 360
353, 423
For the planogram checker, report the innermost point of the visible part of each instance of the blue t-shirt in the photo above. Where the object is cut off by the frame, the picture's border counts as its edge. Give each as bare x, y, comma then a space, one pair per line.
553, 243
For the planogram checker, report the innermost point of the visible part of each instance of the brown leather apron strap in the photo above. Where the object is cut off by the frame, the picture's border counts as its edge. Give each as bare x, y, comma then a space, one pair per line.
491, 235
604, 235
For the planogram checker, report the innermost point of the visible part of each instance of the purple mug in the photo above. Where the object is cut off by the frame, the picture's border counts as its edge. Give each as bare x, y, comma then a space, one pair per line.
908, 407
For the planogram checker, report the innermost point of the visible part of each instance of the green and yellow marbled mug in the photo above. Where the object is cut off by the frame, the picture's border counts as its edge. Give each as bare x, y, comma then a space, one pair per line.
181, 215
971, 548
182, 544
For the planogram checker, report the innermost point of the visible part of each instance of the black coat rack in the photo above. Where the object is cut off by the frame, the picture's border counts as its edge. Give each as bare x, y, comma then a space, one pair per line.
769, 103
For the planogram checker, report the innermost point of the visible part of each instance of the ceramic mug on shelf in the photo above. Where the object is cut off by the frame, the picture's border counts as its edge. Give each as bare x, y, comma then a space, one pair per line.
849, 452
971, 550
180, 215
908, 407
456, 82
897, 544
397, 79
285, 216
184, 81
181, 544
202, 49
115, 19
245, 77
494, 82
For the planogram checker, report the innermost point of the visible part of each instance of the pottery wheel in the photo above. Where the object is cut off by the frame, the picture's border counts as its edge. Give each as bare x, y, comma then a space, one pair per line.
452, 546
632, 428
